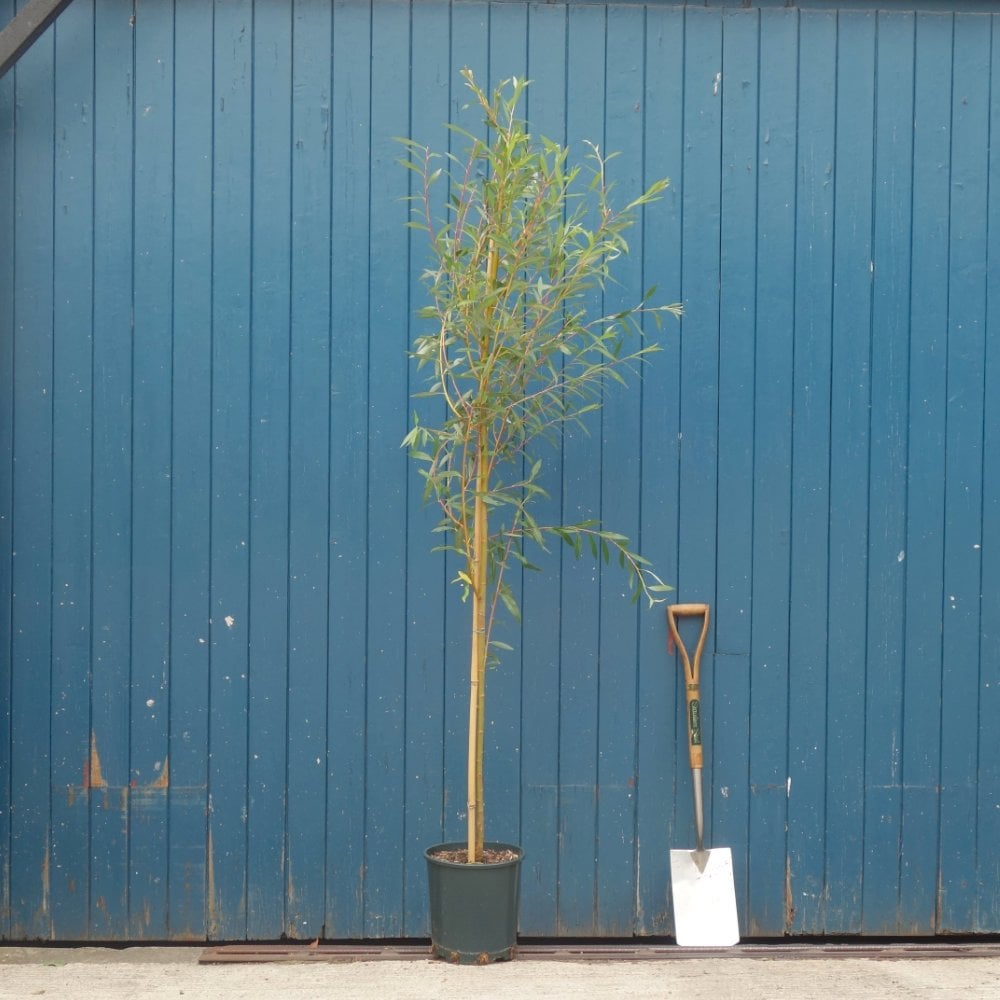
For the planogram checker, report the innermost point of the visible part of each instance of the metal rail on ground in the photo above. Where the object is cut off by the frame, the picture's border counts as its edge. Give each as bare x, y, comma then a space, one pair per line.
629, 952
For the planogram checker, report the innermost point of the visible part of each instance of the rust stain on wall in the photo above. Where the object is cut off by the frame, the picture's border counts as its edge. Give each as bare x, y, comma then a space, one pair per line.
44, 914
93, 777
789, 899
213, 919
163, 778
46, 873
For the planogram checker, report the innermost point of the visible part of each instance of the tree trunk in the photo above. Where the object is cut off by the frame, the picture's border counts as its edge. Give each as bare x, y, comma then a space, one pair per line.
477, 668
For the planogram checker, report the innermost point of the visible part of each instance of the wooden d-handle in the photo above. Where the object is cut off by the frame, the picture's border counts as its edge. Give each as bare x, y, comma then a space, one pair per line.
691, 673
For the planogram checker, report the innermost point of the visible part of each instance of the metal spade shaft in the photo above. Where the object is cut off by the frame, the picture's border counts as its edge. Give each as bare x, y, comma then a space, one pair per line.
699, 855
692, 671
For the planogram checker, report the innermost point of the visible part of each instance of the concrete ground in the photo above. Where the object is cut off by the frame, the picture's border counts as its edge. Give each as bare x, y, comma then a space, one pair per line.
154, 973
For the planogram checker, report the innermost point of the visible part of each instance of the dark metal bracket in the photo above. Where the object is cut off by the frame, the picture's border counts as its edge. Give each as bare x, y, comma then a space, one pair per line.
25, 26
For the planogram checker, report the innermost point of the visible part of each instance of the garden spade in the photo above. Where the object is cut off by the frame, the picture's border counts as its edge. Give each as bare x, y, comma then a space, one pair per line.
702, 880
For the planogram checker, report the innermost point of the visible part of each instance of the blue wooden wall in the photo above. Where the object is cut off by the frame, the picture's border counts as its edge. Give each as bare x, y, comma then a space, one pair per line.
231, 694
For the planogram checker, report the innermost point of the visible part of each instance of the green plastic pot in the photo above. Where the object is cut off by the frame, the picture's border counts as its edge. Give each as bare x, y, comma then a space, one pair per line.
473, 907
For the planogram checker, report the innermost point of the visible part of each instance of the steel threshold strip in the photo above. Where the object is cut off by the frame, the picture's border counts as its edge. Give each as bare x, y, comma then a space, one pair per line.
559, 951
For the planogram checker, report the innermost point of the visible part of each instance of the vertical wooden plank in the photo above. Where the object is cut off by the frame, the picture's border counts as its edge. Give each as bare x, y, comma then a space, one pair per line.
660, 248
539, 770
809, 634
228, 623
580, 596
348, 489
427, 588
387, 471
850, 434
988, 831
149, 770
739, 91
887, 486
190, 610
699, 362
106, 770
7, 250
620, 475
269, 478
71, 463
769, 788
924, 562
508, 57
963, 472
700, 326
31, 570
728, 684
699, 367
469, 46
309, 468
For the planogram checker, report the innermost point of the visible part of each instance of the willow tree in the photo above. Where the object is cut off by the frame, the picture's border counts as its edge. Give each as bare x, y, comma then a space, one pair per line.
525, 247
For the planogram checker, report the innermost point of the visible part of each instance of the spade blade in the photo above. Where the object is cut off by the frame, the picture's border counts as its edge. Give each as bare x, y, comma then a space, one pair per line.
704, 897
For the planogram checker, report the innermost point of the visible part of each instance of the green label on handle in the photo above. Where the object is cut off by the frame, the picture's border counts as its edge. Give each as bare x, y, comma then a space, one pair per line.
694, 710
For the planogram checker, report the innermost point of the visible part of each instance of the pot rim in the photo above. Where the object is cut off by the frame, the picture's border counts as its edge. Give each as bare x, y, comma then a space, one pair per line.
455, 845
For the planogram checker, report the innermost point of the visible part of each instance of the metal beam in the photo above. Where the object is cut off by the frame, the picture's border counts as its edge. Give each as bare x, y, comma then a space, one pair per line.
26, 25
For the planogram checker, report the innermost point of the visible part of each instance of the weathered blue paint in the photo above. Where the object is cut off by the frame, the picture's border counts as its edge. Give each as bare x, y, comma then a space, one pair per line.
891, 241
963, 493
6, 451
72, 252
350, 389
189, 863
430, 48
988, 763
268, 629
31, 513
230, 665
925, 473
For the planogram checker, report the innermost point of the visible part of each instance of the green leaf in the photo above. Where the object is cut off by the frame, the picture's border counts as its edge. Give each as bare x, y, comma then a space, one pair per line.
520, 558
507, 597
